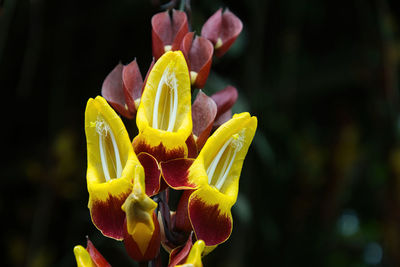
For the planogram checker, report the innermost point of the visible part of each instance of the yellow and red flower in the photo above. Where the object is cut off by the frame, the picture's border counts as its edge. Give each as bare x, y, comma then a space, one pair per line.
214, 177
164, 117
112, 166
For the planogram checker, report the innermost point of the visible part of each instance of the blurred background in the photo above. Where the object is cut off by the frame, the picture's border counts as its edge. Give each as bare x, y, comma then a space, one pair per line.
321, 183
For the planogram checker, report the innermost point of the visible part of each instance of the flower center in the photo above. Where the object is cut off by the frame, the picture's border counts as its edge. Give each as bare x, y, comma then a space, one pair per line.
220, 167
165, 108
109, 153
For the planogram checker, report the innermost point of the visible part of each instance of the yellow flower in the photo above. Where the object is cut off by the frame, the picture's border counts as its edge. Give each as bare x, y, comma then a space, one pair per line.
112, 164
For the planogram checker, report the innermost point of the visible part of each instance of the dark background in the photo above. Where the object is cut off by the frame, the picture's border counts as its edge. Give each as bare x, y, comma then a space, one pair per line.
321, 183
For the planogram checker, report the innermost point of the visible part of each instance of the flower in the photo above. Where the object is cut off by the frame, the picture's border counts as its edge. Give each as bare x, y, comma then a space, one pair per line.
167, 31
222, 29
214, 177
164, 117
112, 165
89, 257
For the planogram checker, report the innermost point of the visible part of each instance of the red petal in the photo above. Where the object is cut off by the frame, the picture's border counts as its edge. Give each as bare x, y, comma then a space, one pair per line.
152, 173
168, 30
112, 90
179, 255
132, 84
97, 258
192, 147
175, 173
208, 222
224, 117
204, 111
224, 26
225, 99
153, 248
147, 75
159, 152
198, 53
212, 27
182, 222
109, 217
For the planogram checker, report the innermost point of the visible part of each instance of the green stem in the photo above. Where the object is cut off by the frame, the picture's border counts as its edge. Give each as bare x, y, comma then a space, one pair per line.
182, 5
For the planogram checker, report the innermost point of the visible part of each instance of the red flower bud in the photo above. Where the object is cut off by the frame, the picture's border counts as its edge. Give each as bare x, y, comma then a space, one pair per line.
225, 99
168, 31
122, 87
222, 29
204, 111
198, 52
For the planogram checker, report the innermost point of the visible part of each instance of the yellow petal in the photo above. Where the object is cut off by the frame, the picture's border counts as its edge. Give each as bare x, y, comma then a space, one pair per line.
139, 209
164, 113
82, 257
194, 258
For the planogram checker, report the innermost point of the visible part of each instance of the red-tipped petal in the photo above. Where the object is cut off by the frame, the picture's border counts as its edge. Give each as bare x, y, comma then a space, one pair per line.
97, 258
108, 216
112, 90
178, 255
153, 245
175, 173
152, 173
225, 99
168, 31
204, 111
211, 219
198, 53
132, 84
222, 29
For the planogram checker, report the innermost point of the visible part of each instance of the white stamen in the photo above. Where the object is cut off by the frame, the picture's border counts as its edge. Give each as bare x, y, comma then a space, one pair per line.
214, 163
157, 100
174, 102
116, 152
169, 80
102, 129
221, 180
103, 158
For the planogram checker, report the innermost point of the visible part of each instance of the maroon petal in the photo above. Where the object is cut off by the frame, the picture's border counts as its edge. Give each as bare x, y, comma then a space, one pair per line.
204, 111
225, 99
222, 29
147, 75
192, 147
112, 90
176, 173
182, 221
198, 53
132, 84
151, 172
168, 31
221, 119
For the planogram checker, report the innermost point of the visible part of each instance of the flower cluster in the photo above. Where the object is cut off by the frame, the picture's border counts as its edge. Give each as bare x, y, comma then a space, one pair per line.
193, 149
